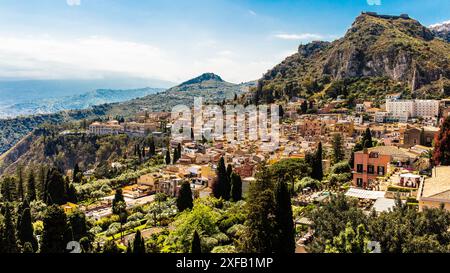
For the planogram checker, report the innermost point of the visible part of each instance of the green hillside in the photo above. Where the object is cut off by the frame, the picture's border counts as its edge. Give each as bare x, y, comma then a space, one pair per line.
399, 52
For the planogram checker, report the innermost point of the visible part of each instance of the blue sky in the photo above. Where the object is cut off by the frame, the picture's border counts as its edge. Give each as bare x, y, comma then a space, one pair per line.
177, 39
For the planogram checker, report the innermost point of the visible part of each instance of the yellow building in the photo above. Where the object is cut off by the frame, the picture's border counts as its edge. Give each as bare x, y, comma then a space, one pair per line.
146, 179
435, 191
207, 172
69, 207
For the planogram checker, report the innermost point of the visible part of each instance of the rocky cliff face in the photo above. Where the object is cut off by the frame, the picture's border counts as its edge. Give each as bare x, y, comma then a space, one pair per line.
376, 47
400, 49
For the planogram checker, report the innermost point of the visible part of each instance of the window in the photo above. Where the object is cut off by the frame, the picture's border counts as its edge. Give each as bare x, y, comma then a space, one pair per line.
359, 168
380, 170
359, 182
370, 169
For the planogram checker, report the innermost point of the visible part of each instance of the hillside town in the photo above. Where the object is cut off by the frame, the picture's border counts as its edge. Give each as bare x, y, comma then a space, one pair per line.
395, 163
342, 147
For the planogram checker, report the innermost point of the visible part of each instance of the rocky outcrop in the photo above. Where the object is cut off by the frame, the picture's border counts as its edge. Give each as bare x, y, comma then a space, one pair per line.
394, 47
312, 48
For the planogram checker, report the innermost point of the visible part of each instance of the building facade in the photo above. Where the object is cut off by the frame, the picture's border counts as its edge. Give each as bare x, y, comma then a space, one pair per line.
368, 166
412, 108
109, 128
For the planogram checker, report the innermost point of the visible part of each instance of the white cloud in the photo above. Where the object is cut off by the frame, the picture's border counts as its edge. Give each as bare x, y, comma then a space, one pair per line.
227, 53
299, 37
73, 2
252, 12
47, 57
440, 24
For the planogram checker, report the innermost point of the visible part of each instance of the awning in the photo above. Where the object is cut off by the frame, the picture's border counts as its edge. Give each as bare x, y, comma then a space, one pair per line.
364, 194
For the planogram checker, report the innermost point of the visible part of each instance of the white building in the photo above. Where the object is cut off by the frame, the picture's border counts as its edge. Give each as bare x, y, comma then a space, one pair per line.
412, 108
111, 127
360, 108
427, 108
400, 107
380, 117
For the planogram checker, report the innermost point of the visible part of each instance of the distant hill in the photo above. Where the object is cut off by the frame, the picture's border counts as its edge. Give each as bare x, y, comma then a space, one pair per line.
74, 102
203, 78
377, 55
210, 88
18, 91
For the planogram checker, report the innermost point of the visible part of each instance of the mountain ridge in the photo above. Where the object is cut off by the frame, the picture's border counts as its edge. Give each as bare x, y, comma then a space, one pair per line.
395, 49
73, 102
13, 130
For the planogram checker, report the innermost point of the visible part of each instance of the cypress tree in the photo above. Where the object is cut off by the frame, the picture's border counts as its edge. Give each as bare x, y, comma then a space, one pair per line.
167, 157
138, 243
367, 139
317, 170
72, 194
196, 247
41, 183
76, 172
236, 187
184, 199
304, 107
229, 170
222, 187
338, 153
55, 188
179, 151
31, 186
8, 241
139, 154
55, 224
175, 155
285, 243
118, 198
25, 233
20, 188
259, 229
152, 147
281, 112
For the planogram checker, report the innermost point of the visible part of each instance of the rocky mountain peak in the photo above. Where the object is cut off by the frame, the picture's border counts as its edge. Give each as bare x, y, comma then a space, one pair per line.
202, 78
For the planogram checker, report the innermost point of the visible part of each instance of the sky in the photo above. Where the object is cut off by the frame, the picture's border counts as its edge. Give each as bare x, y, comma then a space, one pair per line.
178, 39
